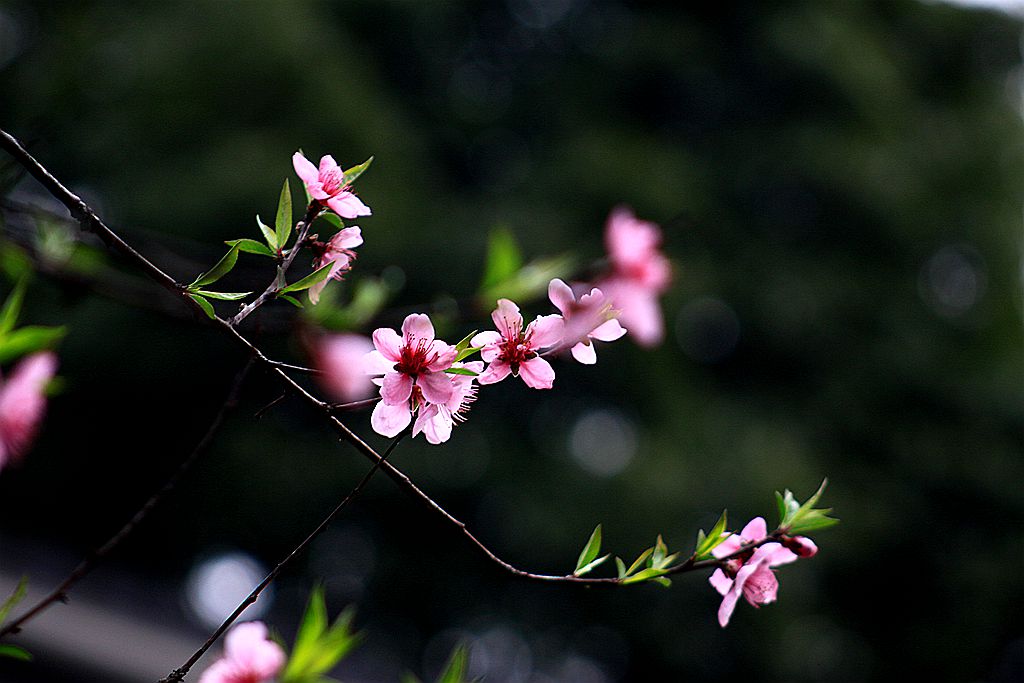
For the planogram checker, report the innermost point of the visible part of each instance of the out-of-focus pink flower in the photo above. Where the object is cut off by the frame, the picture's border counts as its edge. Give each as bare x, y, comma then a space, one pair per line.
339, 357
513, 350
436, 420
750, 574
590, 317
640, 274
248, 657
338, 252
327, 185
413, 366
23, 403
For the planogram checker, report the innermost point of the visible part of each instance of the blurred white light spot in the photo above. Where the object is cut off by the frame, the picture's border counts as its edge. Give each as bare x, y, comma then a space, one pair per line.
603, 442
707, 329
501, 656
952, 280
578, 669
217, 584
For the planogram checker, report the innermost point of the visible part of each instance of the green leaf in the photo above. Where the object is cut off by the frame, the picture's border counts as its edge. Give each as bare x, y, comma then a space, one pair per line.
639, 561
804, 518
319, 647
269, 235
14, 598
649, 573
29, 339
707, 543
283, 222
223, 267
590, 550
662, 581
222, 296
251, 247
334, 219
466, 353
12, 307
205, 305
585, 569
15, 652
814, 523
290, 299
352, 173
620, 567
455, 670
780, 507
14, 262
530, 281
313, 278
660, 551
503, 258
461, 371
465, 341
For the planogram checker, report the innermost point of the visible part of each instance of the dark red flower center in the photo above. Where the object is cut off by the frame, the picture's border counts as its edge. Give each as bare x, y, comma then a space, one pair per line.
415, 357
516, 349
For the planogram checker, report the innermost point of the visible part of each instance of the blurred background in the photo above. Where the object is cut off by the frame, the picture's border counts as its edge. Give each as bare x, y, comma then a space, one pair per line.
840, 189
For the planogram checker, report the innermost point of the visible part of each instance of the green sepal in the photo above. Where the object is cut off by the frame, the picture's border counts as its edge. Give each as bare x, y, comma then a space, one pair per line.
352, 173
222, 268
251, 247
283, 221
590, 550
221, 296
316, 277
205, 305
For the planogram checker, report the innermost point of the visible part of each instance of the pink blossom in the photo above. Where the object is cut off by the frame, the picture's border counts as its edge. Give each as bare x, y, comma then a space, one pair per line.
327, 184
339, 357
413, 366
436, 420
338, 252
23, 403
750, 574
248, 657
591, 317
513, 350
640, 274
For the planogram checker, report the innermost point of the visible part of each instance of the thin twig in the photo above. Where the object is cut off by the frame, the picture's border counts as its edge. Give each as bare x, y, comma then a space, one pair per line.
60, 593
179, 674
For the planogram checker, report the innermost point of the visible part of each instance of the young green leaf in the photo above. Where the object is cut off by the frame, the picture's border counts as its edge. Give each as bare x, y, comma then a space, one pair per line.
620, 568
15, 652
662, 581
586, 569
283, 222
319, 647
590, 550
639, 561
12, 307
352, 173
465, 341
269, 235
705, 544
14, 598
455, 670
222, 268
251, 247
205, 305
461, 371
29, 339
503, 258
222, 296
660, 551
645, 575
334, 219
313, 278
290, 299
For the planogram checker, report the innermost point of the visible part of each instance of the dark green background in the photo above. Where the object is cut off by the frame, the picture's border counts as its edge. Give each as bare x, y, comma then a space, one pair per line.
844, 177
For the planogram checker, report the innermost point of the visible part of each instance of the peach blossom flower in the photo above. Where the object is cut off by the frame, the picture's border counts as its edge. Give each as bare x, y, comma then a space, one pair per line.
591, 317
326, 184
338, 252
513, 350
640, 274
340, 358
23, 403
249, 657
412, 366
436, 420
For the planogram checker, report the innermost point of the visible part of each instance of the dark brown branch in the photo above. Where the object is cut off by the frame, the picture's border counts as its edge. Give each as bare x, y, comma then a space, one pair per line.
59, 594
179, 674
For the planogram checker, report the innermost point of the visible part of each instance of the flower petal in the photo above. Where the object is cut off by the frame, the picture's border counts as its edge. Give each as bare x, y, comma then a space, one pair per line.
388, 420
417, 328
305, 169
347, 205
546, 331
374, 363
608, 331
585, 353
507, 319
436, 387
347, 238
444, 355
720, 581
725, 610
388, 343
728, 546
561, 296
755, 530
397, 388
537, 373
495, 372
